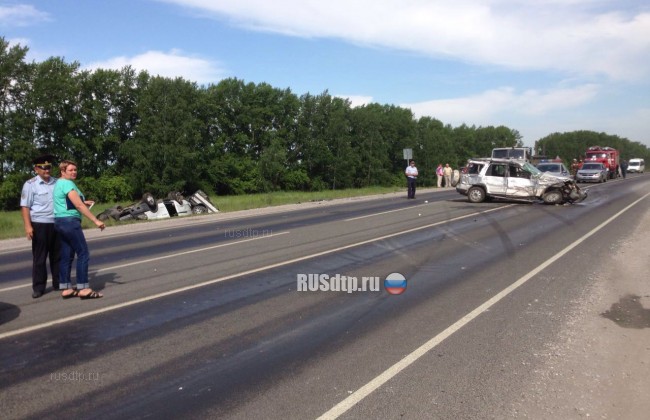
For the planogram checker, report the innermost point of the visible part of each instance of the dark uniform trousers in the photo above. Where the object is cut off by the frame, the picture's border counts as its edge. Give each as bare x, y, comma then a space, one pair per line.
45, 242
411, 187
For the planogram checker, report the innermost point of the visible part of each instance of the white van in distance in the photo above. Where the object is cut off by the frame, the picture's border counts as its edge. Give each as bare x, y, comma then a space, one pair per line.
636, 165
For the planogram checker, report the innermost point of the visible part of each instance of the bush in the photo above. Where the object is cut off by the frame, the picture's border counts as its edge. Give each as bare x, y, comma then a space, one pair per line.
107, 189
317, 184
10, 190
114, 188
296, 180
399, 180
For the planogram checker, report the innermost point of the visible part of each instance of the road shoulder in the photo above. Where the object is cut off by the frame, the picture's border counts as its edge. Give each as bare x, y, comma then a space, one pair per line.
600, 365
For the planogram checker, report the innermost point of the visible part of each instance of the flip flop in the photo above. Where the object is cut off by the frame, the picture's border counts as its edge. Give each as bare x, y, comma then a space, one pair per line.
92, 295
74, 293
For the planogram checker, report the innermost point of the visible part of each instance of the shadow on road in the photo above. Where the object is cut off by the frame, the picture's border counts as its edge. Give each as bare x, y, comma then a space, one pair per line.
8, 312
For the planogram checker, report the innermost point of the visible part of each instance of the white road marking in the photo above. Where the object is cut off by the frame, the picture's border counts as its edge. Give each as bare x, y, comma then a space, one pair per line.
398, 367
164, 257
380, 213
230, 277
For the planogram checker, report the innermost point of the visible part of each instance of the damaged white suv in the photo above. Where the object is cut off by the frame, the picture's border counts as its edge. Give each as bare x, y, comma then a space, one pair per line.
515, 180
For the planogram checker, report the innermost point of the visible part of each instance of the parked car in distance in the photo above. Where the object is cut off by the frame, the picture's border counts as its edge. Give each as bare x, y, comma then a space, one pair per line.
554, 168
592, 172
636, 165
518, 180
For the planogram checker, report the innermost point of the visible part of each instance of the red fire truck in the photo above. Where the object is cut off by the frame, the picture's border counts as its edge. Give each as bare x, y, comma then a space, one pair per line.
607, 156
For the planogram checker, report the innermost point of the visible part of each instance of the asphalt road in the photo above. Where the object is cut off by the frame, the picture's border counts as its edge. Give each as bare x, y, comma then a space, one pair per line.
202, 318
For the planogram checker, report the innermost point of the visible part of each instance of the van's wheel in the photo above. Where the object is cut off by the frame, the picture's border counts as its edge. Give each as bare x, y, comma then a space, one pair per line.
476, 195
150, 201
200, 209
552, 197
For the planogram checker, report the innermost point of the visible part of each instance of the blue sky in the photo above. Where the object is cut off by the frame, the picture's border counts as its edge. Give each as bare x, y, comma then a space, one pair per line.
537, 66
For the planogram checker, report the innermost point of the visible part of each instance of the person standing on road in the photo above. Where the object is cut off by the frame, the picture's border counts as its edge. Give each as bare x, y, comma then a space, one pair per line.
439, 175
411, 173
69, 205
624, 168
574, 167
447, 174
37, 210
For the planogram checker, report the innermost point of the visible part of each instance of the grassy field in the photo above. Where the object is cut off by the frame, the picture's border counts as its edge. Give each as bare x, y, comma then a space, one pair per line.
11, 223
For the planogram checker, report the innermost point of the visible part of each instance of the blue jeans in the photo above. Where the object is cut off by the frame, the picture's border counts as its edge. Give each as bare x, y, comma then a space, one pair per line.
73, 242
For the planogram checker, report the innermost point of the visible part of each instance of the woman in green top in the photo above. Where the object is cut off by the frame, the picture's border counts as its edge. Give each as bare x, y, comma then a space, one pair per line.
69, 206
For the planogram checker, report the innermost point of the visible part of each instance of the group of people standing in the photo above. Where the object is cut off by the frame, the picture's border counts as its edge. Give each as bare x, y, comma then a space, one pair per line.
51, 210
442, 174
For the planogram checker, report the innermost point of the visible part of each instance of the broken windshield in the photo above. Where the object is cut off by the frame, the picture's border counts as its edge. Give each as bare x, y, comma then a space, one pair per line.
530, 168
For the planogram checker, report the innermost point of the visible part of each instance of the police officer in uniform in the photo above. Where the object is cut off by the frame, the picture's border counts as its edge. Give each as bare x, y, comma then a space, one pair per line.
411, 173
37, 208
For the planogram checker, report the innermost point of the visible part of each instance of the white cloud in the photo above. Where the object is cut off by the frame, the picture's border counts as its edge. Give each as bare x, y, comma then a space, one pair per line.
167, 64
596, 38
21, 15
600, 45
23, 42
490, 104
540, 112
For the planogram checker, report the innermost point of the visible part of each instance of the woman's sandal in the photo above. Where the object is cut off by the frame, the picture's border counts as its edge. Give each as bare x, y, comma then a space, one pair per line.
92, 295
74, 293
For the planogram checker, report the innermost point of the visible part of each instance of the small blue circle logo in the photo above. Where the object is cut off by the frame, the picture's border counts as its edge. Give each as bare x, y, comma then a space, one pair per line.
395, 284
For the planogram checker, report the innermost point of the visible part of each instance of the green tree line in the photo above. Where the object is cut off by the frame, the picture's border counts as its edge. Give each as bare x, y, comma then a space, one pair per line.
573, 145
131, 133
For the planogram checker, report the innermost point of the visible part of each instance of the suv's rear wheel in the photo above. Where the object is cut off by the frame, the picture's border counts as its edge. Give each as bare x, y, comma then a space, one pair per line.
552, 197
476, 195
